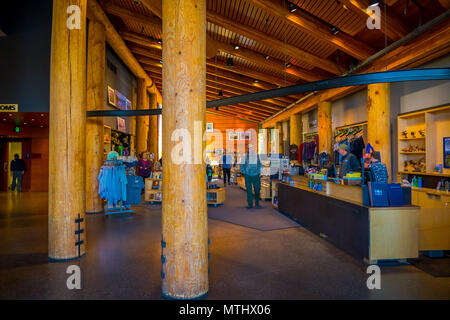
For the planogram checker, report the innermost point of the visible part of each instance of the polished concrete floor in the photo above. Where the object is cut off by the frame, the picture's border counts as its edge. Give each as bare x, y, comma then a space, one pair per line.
123, 260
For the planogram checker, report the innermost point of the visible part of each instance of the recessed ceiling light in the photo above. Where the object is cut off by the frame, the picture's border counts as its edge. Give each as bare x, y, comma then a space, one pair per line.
267, 57
292, 7
32, 119
10, 115
335, 30
25, 123
4, 119
236, 47
288, 65
256, 80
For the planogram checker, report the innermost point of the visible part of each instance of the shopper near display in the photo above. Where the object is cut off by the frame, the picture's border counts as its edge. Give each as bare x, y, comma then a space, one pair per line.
226, 168
349, 162
18, 170
251, 169
378, 168
144, 166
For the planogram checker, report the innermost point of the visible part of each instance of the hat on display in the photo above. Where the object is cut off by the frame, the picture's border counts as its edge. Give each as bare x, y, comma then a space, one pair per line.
343, 147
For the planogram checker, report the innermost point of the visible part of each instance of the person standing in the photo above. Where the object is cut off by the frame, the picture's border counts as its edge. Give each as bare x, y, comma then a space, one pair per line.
18, 170
226, 168
349, 162
378, 168
144, 166
251, 169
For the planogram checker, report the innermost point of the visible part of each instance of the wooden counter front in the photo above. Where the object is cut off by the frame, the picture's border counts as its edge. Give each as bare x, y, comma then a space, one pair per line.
367, 233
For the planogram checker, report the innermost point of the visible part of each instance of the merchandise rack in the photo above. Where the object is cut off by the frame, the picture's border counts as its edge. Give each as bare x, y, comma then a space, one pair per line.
153, 195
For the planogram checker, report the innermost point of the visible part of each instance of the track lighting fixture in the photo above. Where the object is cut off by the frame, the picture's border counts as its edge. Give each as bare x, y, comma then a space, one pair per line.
292, 7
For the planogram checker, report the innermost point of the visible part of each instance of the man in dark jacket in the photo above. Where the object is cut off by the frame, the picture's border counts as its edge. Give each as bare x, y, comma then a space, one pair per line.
349, 162
18, 169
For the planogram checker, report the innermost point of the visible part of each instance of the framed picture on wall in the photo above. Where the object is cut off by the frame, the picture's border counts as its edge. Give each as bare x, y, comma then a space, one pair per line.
121, 124
209, 127
233, 135
111, 96
446, 152
245, 136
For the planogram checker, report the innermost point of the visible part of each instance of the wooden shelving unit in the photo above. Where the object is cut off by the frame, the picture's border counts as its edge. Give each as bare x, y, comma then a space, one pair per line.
215, 197
435, 124
153, 187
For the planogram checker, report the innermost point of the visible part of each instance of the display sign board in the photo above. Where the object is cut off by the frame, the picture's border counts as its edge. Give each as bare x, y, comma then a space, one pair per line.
446, 152
9, 107
121, 125
118, 100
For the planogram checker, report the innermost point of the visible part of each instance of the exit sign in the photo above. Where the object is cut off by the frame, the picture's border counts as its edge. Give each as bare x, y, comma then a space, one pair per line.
9, 107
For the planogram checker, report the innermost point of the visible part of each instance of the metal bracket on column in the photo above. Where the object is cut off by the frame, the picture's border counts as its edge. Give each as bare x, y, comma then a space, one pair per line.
78, 232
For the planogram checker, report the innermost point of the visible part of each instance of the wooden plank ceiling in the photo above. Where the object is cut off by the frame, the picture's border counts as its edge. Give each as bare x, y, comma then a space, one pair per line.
270, 45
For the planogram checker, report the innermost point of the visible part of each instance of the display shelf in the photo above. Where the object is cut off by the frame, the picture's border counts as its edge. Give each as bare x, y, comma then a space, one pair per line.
215, 197
434, 123
421, 152
436, 174
153, 190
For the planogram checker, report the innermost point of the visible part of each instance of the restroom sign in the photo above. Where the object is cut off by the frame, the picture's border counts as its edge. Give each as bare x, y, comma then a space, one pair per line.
9, 108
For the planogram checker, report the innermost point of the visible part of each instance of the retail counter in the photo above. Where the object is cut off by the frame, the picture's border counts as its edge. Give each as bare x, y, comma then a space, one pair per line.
434, 218
338, 215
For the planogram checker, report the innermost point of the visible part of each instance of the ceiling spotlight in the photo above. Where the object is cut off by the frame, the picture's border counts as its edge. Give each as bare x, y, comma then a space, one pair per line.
230, 62
220, 93
335, 30
288, 65
160, 61
159, 41
292, 7
256, 81
266, 57
236, 47
374, 3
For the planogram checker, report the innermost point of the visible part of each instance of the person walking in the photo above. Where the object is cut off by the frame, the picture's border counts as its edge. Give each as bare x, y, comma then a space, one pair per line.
18, 170
226, 168
251, 169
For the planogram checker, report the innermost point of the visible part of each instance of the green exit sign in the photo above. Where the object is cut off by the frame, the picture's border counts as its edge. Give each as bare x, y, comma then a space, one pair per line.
17, 129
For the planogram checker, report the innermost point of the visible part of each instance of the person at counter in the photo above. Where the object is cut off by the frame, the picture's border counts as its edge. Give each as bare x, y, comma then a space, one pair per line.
349, 162
378, 168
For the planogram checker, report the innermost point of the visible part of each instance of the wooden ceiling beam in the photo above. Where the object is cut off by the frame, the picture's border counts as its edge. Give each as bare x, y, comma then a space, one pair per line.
140, 39
233, 115
257, 36
445, 4
268, 82
273, 43
310, 24
264, 111
271, 63
395, 29
123, 13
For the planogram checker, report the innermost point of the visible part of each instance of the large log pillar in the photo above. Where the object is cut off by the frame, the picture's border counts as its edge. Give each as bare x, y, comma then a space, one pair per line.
153, 128
94, 126
142, 121
67, 171
296, 129
379, 121
324, 127
184, 210
279, 137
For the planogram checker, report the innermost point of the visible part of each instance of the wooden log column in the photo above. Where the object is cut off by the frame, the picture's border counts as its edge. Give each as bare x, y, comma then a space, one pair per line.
94, 126
379, 121
141, 122
67, 171
324, 127
279, 137
153, 128
296, 129
184, 210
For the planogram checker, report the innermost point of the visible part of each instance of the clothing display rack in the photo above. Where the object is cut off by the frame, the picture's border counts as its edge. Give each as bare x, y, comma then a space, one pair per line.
115, 187
354, 135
